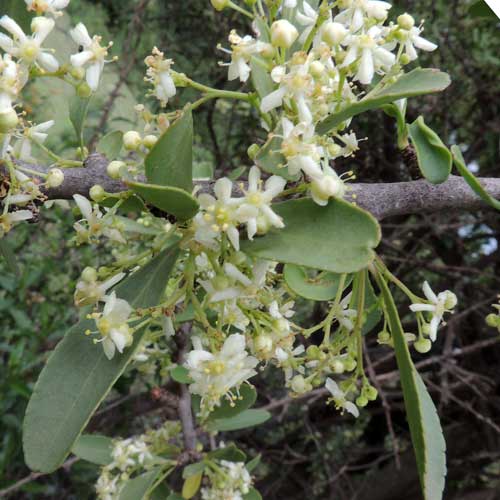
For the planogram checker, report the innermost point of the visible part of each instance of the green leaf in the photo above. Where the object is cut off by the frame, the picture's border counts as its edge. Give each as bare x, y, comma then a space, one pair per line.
321, 287
181, 374
9, 256
203, 171
247, 418
78, 376
174, 496
250, 466
191, 486
253, 494
248, 396
170, 161
261, 78
339, 237
138, 488
272, 161
111, 145
469, 177
425, 428
94, 448
78, 109
481, 9
417, 82
192, 469
434, 158
171, 200
229, 453
372, 309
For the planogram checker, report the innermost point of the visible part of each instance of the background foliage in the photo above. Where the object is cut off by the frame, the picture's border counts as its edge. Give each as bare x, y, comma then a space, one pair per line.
309, 450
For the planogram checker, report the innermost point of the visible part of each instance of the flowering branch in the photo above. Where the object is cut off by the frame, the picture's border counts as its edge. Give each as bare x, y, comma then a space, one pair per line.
380, 199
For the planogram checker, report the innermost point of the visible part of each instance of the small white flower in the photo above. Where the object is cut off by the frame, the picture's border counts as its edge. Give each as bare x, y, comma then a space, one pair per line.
357, 11
329, 185
53, 7
113, 326
92, 54
10, 84
215, 374
307, 18
91, 292
415, 40
8, 220
38, 133
255, 210
159, 75
219, 214
371, 56
29, 49
439, 304
339, 398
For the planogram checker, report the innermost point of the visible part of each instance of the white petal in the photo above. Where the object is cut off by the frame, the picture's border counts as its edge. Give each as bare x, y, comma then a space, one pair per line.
12, 27
253, 179
233, 272
272, 100
352, 409
109, 347
424, 44
20, 215
275, 185
47, 61
168, 84
41, 26
93, 74
433, 328
6, 42
429, 293
422, 308
223, 188
80, 35
233, 346
366, 69
334, 389
84, 205
81, 58
119, 339
234, 237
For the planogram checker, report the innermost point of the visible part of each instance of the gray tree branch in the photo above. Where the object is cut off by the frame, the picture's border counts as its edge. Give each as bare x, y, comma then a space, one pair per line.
381, 199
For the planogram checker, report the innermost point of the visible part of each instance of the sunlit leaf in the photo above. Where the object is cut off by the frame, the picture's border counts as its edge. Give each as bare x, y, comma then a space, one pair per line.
417, 82
339, 237
138, 488
247, 418
425, 428
93, 448
434, 158
78, 376
170, 161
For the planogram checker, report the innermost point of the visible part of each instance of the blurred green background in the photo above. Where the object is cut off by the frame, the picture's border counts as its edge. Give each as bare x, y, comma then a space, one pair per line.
309, 450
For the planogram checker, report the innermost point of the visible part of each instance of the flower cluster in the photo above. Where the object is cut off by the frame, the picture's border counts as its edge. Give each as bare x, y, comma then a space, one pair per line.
229, 481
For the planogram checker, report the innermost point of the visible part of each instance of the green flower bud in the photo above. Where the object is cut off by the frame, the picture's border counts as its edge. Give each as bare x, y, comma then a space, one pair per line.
97, 193
383, 337
350, 364
263, 344
89, 275
77, 73
219, 4
361, 401
313, 352
337, 366
405, 59
114, 168
423, 345
83, 90
492, 320
220, 282
370, 392
132, 140
283, 34
406, 22
253, 151
8, 120
55, 178
150, 140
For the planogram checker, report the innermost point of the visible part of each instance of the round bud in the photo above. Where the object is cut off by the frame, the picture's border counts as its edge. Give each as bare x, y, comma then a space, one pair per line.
77, 73
423, 345
55, 178
83, 90
114, 168
150, 140
337, 366
238, 258
384, 337
97, 193
350, 364
89, 275
132, 140
492, 320
405, 59
219, 4
361, 401
406, 22
263, 343
267, 51
220, 282
333, 33
370, 392
299, 384
317, 69
8, 120
313, 352
450, 300
253, 151
283, 34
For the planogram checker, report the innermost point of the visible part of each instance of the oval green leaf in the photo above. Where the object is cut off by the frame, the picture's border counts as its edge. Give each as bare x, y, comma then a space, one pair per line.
171, 200
229, 453
111, 145
247, 418
253, 494
170, 161
138, 488
417, 82
272, 161
181, 375
425, 428
434, 158
321, 287
94, 448
78, 376
339, 237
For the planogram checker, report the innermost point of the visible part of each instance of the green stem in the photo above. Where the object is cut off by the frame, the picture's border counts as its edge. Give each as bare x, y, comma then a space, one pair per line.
239, 9
360, 305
